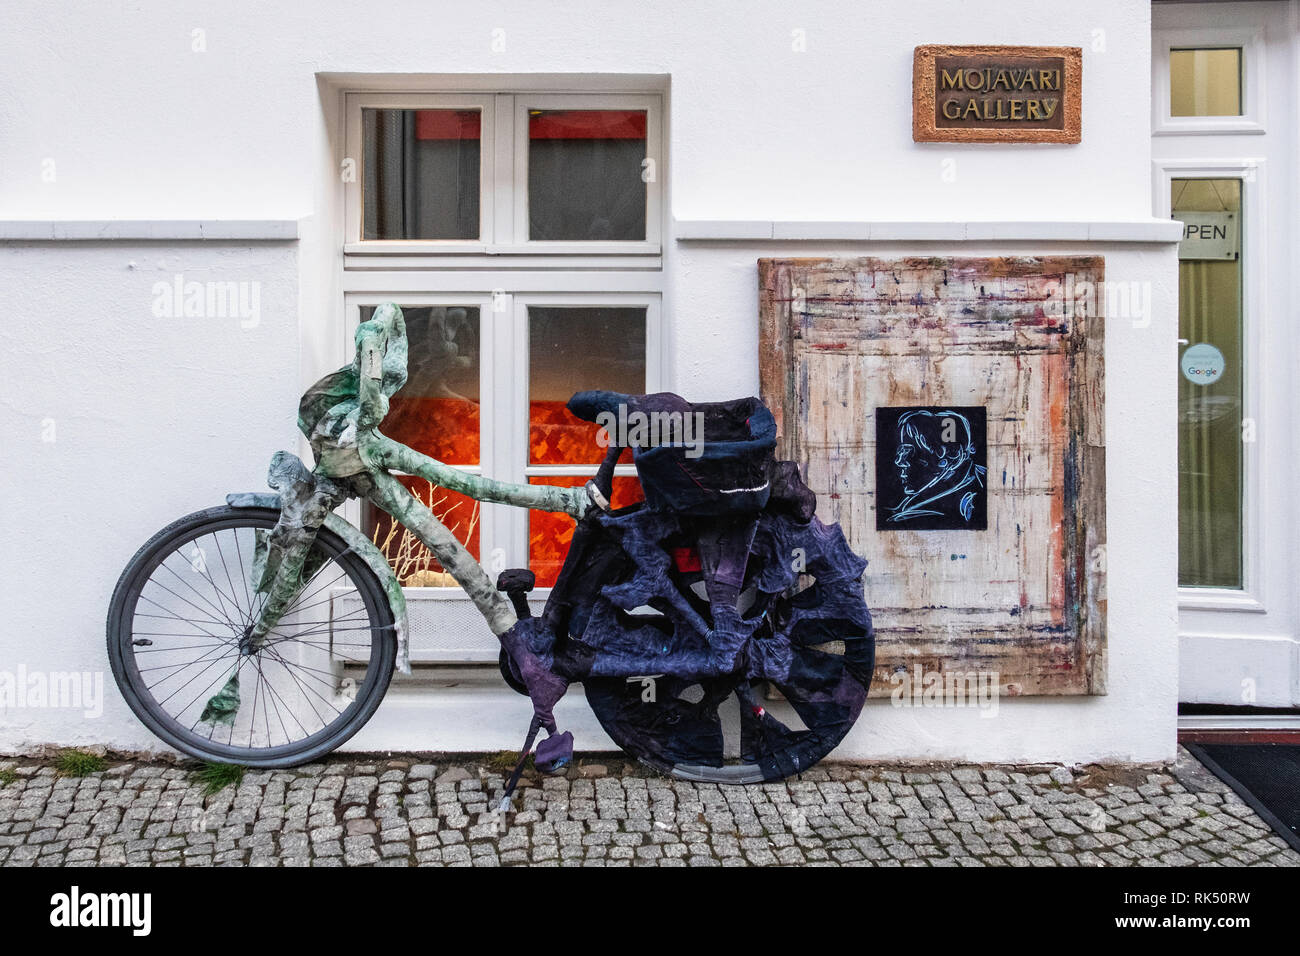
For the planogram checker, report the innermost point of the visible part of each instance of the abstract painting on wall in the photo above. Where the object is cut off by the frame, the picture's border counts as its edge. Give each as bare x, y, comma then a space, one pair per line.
949, 414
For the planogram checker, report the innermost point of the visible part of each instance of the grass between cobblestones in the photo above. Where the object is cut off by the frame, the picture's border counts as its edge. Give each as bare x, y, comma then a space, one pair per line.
78, 763
217, 776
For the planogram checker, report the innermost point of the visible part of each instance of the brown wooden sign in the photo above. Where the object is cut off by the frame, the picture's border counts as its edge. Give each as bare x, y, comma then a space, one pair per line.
996, 94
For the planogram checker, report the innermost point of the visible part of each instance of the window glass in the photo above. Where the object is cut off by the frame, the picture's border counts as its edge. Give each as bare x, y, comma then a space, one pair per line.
549, 534
1205, 82
420, 174
572, 349
413, 563
585, 175
1211, 428
436, 412
569, 350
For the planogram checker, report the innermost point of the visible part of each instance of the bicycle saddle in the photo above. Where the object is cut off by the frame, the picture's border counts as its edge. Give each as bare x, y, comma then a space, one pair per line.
704, 458
738, 420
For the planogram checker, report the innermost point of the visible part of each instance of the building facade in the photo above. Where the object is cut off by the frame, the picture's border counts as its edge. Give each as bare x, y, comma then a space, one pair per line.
201, 204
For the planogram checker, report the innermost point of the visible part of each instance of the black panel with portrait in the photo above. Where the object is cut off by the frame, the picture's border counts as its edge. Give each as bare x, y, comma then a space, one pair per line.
931, 468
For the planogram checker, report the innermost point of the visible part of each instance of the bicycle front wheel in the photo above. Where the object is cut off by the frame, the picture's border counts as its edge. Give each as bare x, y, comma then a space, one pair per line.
184, 604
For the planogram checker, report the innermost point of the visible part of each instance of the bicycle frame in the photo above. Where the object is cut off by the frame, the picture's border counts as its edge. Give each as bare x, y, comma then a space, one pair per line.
340, 416
299, 495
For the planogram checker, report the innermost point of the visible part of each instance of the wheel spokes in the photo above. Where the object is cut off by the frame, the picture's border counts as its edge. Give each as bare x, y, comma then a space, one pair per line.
188, 622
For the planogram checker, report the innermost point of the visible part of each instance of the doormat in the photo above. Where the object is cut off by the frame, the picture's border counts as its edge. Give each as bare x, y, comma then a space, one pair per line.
1265, 776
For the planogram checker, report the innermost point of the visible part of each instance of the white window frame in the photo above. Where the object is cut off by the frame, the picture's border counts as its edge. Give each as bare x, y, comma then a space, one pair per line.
353, 212
502, 277
523, 102
518, 468
1251, 43
503, 394
503, 173
1251, 172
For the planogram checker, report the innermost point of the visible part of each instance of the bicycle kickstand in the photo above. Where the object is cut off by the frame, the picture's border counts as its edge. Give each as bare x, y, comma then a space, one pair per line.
524, 754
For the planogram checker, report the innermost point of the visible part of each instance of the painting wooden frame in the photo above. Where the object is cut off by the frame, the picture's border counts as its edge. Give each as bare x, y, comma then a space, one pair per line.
1025, 598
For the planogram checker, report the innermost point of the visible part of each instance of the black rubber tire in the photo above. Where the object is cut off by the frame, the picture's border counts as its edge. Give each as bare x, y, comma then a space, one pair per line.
369, 694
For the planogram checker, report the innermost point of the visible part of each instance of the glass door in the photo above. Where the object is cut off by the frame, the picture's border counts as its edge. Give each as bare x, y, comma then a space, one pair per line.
1224, 104
1210, 379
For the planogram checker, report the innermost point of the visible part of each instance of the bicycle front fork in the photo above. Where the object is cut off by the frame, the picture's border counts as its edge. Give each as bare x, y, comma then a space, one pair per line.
284, 561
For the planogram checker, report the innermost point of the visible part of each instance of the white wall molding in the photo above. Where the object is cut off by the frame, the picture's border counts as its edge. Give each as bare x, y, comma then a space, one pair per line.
1240, 722
149, 230
750, 230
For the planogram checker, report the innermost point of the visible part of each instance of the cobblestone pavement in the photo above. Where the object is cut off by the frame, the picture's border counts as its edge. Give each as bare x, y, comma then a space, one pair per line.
402, 812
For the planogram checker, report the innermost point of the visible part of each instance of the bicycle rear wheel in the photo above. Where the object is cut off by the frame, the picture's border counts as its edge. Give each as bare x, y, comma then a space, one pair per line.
725, 729
184, 603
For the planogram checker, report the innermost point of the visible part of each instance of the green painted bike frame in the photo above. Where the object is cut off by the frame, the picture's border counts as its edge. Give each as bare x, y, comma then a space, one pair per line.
340, 416
360, 545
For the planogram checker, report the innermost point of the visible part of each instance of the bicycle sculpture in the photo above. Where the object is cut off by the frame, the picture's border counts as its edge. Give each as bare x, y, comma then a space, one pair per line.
265, 632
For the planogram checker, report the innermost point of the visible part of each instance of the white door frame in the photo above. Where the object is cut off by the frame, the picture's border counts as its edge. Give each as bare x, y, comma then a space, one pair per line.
1239, 647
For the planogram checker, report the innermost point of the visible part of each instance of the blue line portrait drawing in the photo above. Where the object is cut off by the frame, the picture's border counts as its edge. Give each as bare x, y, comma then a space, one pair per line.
931, 468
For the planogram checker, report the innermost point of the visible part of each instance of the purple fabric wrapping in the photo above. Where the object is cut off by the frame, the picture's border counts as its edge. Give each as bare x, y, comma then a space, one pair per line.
685, 642
722, 468
554, 752
545, 688
781, 602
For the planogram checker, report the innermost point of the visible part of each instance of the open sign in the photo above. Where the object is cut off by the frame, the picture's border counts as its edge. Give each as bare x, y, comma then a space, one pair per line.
1210, 235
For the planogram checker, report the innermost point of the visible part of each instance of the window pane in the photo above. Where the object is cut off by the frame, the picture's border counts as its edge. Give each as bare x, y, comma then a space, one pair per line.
1210, 383
420, 174
436, 412
1205, 82
549, 534
584, 174
569, 350
413, 563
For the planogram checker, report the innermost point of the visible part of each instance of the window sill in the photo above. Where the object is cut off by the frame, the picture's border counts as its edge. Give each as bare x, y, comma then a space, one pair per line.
1219, 599
1209, 125
404, 247
148, 230
1136, 230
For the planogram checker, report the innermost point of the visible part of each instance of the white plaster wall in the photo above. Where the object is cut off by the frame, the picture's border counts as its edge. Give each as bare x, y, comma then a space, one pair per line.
139, 125
155, 418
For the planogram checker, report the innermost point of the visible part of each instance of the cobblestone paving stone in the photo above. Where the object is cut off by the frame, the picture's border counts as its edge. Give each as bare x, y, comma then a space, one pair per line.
349, 811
